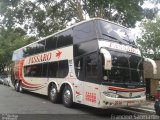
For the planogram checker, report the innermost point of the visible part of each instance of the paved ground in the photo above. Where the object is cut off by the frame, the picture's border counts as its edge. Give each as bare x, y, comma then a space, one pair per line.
29, 105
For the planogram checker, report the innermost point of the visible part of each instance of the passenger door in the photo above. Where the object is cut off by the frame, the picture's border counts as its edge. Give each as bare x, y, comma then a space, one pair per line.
91, 86
79, 83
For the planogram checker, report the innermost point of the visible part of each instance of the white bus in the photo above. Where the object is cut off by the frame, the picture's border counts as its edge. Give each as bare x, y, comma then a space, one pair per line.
95, 63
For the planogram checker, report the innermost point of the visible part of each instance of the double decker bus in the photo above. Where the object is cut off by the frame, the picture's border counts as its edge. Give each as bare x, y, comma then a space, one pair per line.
95, 63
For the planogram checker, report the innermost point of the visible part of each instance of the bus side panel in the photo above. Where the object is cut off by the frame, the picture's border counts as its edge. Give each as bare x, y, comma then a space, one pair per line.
16, 70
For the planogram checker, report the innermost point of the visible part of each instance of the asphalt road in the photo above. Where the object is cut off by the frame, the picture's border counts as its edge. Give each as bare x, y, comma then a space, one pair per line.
28, 106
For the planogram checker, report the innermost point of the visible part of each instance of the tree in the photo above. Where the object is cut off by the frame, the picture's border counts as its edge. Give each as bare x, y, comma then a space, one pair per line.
150, 40
44, 17
11, 39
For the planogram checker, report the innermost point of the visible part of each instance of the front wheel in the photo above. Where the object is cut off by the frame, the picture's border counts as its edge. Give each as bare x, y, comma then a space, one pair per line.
67, 97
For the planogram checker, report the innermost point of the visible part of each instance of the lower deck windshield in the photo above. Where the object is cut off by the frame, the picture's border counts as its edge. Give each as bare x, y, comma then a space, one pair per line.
126, 69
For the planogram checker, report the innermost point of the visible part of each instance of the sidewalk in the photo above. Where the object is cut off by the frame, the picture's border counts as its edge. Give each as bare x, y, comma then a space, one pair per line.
147, 106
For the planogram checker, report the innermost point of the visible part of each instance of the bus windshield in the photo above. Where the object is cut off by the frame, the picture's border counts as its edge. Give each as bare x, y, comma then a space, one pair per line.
126, 68
110, 31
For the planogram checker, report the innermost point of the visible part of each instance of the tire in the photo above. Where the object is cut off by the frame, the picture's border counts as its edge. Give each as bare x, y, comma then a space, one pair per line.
53, 93
17, 86
21, 90
67, 97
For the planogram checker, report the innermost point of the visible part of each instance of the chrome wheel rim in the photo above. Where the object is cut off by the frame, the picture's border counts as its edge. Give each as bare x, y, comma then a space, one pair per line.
53, 93
17, 86
67, 96
20, 88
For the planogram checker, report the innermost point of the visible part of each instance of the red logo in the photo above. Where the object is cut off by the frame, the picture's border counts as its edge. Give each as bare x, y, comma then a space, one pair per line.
58, 54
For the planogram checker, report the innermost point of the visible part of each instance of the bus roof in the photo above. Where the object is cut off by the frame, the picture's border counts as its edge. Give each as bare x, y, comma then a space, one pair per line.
76, 24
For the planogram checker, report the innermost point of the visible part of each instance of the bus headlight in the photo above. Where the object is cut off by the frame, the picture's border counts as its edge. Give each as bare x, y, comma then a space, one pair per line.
110, 94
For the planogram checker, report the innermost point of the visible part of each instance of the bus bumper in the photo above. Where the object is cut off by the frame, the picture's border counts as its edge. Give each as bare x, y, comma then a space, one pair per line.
109, 102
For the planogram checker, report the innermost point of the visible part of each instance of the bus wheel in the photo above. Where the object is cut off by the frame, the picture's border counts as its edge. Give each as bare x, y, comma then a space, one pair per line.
17, 86
67, 97
53, 93
20, 87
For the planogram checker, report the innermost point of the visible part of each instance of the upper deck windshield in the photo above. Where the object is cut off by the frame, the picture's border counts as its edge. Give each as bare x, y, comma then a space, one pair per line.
117, 33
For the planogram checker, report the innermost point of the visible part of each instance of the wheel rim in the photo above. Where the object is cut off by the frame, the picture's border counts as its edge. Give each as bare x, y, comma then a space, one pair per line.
17, 86
67, 96
53, 93
20, 88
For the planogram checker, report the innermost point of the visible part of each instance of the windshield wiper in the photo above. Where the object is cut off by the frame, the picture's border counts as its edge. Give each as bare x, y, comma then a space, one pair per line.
110, 36
129, 42
113, 38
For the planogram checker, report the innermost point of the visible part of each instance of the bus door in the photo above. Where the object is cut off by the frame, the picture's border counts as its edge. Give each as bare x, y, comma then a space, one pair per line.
91, 86
79, 83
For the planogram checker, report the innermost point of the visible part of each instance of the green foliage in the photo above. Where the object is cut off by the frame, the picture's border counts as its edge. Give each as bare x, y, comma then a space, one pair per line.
9, 41
150, 40
126, 12
44, 17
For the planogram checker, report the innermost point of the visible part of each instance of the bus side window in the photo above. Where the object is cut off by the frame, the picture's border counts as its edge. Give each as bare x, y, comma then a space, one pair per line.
92, 67
51, 43
63, 69
45, 70
65, 38
58, 69
84, 32
33, 70
40, 47
52, 69
79, 68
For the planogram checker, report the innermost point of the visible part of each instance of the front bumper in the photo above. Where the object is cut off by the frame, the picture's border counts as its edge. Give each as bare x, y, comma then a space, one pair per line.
109, 102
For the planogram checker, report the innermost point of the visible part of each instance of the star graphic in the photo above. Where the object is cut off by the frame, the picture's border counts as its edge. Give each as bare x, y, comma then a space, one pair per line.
58, 54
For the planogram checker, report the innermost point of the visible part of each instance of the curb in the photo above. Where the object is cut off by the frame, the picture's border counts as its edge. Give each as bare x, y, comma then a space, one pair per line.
143, 109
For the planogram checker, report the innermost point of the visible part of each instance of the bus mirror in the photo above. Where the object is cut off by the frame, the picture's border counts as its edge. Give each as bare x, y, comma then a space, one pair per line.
153, 63
107, 59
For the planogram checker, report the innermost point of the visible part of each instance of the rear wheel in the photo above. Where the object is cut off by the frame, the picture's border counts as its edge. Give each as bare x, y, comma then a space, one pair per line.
53, 93
17, 86
67, 97
20, 87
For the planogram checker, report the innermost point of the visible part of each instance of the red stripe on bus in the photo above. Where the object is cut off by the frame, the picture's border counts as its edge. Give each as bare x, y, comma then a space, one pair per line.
31, 86
77, 92
21, 63
125, 89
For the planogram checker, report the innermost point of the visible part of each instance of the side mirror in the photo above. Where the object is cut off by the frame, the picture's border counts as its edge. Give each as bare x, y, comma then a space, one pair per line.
107, 59
153, 63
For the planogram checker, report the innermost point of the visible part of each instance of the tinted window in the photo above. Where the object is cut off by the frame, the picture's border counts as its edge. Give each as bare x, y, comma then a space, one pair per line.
30, 50
52, 69
84, 32
136, 62
40, 47
65, 38
45, 70
117, 33
58, 69
85, 47
33, 70
118, 75
79, 68
92, 67
51, 43
119, 59
63, 69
